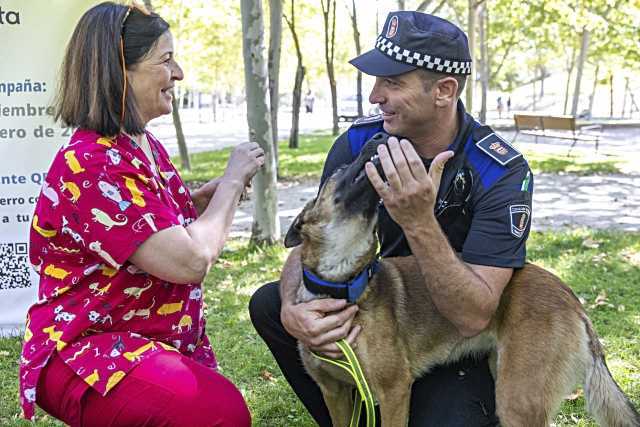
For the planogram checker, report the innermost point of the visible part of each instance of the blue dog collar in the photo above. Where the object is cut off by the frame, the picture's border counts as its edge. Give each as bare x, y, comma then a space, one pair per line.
350, 290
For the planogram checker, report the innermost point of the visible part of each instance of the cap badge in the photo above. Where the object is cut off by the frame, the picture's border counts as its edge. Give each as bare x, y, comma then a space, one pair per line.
393, 27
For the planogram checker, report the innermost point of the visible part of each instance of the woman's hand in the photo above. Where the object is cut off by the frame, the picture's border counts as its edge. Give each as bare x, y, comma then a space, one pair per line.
244, 162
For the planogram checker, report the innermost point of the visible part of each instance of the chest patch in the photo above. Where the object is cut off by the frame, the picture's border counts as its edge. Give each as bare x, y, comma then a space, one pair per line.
498, 149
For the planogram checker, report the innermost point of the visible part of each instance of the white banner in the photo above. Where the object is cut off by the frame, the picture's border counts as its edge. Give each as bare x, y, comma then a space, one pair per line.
33, 36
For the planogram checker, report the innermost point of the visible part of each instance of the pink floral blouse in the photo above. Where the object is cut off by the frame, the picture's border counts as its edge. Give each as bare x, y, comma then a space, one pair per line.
103, 315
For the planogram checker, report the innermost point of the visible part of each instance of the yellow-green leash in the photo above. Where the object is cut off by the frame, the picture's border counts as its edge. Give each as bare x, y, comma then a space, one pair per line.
352, 366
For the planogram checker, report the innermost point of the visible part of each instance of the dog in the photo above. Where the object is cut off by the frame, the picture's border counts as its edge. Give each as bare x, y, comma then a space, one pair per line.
540, 340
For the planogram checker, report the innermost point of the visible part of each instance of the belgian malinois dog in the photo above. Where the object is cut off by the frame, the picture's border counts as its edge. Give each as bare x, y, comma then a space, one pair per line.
540, 340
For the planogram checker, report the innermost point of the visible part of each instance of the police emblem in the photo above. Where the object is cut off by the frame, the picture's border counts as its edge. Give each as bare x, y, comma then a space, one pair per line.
519, 215
393, 27
498, 148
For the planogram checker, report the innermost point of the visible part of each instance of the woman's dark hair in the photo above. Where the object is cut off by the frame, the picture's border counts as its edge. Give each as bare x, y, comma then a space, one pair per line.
91, 81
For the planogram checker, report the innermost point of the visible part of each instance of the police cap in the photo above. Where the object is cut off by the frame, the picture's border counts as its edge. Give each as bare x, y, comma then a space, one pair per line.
411, 40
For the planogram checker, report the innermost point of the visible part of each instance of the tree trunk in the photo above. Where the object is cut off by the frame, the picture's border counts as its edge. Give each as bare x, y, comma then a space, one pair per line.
182, 144
533, 86
581, 60
295, 104
185, 161
593, 91
297, 87
329, 15
569, 71
508, 46
356, 39
377, 17
266, 226
423, 6
275, 43
214, 105
438, 7
484, 63
471, 34
624, 99
199, 106
611, 95
543, 75
401, 5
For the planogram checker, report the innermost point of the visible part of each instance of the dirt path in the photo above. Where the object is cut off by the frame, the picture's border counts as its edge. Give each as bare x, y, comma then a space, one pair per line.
559, 201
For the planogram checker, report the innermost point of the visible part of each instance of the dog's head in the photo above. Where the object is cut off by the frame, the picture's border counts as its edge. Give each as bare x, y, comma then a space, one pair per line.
337, 229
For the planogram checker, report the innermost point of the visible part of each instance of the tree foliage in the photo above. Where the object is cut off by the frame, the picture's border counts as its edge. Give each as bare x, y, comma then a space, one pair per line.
208, 37
525, 42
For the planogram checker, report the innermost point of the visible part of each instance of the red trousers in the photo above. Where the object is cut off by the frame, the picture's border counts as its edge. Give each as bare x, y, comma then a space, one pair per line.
167, 390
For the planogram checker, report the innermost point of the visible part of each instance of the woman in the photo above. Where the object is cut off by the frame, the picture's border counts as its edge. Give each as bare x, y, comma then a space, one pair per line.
118, 334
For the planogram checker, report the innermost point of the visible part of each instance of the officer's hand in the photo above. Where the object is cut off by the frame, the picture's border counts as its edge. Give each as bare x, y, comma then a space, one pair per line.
410, 189
319, 323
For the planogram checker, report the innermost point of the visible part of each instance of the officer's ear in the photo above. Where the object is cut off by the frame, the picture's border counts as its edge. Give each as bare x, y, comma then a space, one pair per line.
446, 91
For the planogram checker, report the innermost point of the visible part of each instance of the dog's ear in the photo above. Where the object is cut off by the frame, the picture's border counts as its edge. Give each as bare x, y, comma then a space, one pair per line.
294, 235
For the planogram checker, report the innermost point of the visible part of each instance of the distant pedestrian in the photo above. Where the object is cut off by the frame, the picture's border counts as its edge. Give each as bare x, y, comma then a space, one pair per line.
509, 105
308, 102
500, 106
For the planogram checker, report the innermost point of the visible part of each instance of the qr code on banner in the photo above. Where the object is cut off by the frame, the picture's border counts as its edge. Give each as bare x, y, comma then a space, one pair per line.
14, 266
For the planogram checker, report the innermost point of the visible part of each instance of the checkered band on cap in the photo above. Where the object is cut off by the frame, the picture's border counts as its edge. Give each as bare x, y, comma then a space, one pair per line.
418, 59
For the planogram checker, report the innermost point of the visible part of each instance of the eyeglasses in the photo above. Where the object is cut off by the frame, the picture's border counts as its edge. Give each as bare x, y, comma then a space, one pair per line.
143, 10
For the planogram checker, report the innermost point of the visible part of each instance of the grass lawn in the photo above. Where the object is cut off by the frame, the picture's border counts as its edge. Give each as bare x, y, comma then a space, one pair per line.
306, 162
295, 164
603, 268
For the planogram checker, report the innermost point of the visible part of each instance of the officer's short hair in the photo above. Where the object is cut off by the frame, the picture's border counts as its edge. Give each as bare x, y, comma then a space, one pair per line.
429, 78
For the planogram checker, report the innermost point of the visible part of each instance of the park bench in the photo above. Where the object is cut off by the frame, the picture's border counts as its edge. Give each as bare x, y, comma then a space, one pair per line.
563, 127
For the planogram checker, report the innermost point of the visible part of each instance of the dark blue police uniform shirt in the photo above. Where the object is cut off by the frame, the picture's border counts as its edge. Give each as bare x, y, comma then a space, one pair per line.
484, 200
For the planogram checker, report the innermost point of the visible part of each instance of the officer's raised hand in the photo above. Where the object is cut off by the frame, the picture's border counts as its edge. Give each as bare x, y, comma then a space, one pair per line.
410, 190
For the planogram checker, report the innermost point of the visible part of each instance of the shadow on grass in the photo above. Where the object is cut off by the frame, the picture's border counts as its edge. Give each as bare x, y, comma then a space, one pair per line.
596, 266
557, 165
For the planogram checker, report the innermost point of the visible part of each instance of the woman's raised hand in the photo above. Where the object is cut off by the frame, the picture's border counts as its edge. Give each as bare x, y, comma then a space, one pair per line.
244, 162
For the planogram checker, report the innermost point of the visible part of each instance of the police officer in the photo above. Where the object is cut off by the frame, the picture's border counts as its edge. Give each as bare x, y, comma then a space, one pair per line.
466, 219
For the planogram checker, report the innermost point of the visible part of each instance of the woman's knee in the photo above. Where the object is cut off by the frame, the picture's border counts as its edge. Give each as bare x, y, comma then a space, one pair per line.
217, 402
201, 396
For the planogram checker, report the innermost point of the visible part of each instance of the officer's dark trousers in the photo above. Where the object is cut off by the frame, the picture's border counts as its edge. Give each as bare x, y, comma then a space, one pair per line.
458, 395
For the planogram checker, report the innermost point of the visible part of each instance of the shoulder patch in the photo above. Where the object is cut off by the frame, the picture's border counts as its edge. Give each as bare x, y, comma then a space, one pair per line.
519, 216
498, 149
367, 120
